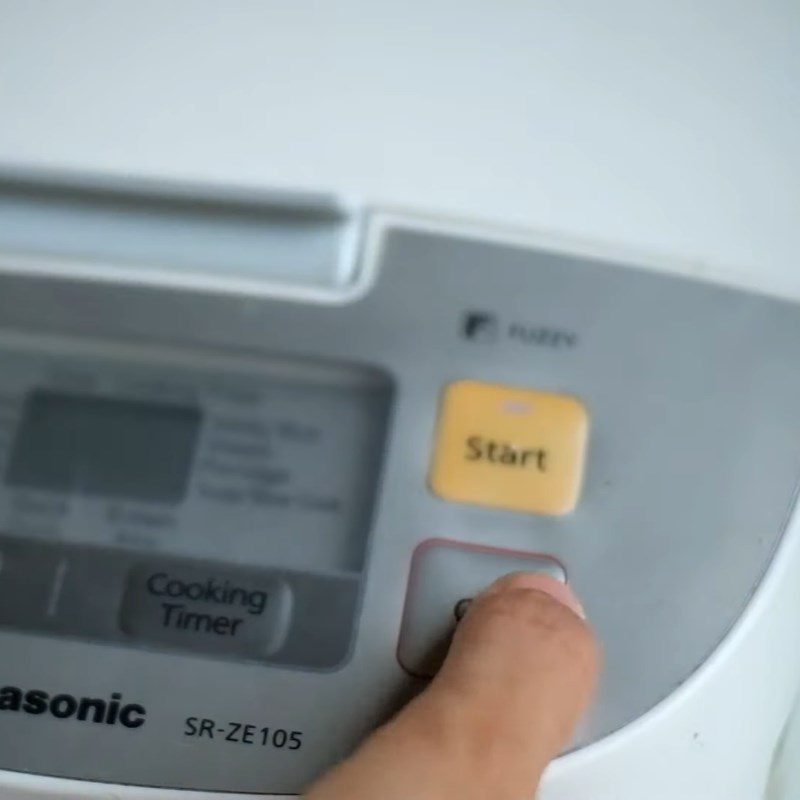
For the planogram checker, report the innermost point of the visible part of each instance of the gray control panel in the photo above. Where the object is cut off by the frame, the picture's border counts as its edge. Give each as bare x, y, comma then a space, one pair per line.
210, 505
225, 480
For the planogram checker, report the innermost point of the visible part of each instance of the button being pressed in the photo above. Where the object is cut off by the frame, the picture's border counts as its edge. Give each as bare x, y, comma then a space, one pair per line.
515, 448
445, 576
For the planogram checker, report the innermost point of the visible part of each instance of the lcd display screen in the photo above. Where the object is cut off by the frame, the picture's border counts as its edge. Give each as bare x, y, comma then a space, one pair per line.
108, 447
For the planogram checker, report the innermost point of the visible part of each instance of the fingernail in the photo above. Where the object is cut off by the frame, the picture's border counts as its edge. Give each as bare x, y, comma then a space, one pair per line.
564, 594
542, 582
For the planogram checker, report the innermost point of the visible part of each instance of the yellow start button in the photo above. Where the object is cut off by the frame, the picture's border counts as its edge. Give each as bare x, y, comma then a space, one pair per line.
521, 449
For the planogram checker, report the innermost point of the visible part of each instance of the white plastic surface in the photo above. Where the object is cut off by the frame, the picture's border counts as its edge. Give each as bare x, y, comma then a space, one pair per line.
189, 236
670, 128
309, 249
784, 781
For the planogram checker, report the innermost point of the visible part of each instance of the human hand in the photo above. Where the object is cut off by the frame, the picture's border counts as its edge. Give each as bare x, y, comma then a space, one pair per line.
521, 669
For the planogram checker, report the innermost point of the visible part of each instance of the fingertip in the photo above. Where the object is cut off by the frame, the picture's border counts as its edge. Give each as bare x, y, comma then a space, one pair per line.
540, 581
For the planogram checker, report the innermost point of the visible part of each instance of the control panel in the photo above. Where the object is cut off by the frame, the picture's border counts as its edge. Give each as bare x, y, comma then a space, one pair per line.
237, 532
224, 480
